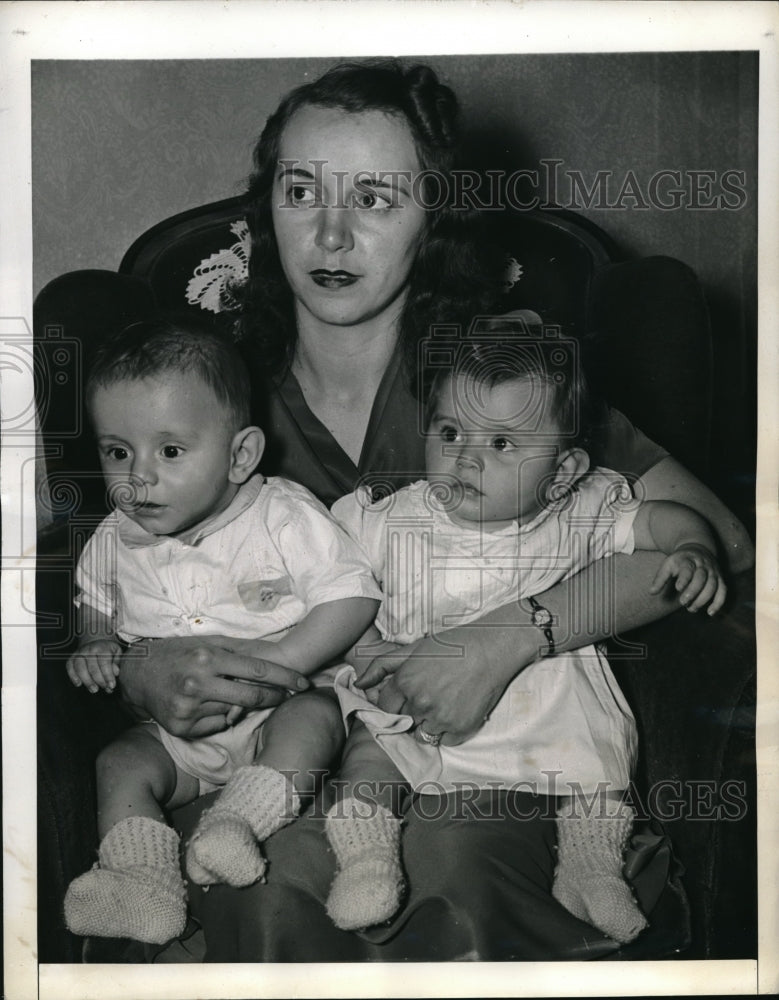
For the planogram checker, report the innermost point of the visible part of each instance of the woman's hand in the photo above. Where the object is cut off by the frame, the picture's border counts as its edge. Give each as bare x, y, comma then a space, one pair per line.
364, 654
451, 688
189, 685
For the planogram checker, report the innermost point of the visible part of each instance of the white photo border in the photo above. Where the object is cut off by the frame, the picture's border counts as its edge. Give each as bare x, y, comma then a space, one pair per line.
295, 28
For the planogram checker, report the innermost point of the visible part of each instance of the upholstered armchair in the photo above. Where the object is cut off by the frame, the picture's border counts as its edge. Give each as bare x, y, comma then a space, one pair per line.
690, 681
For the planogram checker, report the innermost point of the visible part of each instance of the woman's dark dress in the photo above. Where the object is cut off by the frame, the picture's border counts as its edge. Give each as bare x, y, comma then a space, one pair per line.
479, 869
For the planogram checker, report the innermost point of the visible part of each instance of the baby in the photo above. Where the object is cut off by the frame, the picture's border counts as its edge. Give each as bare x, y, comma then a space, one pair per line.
510, 506
198, 545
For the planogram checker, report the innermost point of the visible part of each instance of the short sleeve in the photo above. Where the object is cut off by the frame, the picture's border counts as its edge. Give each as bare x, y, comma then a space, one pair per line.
603, 515
365, 522
625, 448
324, 563
96, 571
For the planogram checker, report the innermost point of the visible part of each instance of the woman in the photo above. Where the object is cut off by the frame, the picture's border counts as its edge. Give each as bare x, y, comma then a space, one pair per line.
348, 272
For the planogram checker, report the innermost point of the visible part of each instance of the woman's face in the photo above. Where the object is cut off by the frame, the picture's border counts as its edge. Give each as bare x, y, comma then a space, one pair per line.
346, 224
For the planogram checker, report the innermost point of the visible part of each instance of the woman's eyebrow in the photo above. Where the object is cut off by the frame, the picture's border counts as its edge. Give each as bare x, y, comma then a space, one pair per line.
377, 180
296, 172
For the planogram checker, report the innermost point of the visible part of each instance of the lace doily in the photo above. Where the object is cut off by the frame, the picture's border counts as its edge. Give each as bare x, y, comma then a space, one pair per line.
512, 274
208, 286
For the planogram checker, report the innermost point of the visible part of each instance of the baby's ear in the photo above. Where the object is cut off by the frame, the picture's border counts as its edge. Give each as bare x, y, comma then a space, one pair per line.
572, 464
246, 451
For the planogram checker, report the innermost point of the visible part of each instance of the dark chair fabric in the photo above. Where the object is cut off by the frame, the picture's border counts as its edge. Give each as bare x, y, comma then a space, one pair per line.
643, 327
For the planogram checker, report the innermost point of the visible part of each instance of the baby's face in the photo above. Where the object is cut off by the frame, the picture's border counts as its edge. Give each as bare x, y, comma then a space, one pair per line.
165, 449
497, 447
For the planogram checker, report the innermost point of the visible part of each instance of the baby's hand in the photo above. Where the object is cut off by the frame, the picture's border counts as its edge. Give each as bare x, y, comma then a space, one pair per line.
698, 578
95, 664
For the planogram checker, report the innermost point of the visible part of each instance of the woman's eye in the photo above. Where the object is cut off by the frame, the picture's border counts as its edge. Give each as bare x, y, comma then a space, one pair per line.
301, 195
171, 451
117, 454
501, 444
366, 198
449, 434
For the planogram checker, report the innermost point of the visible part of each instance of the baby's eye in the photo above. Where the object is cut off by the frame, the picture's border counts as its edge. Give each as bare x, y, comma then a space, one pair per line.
171, 451
117, 453
301, 195
502, 444
449, 434
370, 199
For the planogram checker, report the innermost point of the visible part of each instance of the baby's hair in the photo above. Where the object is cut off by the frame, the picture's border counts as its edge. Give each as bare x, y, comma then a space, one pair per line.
546, 360
181, 344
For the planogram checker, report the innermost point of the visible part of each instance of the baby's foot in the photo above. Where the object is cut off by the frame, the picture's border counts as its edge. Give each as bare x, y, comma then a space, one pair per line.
369, 883
224, 850
255, 803
367, 891
588, 880
105, 903
603, 900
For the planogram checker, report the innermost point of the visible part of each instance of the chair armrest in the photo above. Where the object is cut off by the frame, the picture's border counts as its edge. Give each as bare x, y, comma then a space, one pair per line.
72, 727
693, 694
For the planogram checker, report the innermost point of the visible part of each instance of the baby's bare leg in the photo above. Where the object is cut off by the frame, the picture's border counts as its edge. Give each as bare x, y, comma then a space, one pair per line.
137, 890
368, 774
136, 777
303, 737
300, 739
592, 835
363, 829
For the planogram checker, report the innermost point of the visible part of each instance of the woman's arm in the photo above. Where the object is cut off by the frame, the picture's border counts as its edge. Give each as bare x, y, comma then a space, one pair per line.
668, 480
451, 682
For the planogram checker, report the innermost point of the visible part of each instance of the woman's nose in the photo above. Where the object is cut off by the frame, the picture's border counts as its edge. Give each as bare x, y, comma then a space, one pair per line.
334, 231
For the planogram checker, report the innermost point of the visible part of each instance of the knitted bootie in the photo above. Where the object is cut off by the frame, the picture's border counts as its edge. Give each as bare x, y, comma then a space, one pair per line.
588, 880
136, 891
369, 883
255, 802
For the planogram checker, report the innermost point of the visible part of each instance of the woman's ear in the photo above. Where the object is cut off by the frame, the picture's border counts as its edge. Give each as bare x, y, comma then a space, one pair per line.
245, 453
572, 464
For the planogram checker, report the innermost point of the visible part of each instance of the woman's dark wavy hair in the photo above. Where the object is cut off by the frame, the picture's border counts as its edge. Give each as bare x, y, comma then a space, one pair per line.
451, 279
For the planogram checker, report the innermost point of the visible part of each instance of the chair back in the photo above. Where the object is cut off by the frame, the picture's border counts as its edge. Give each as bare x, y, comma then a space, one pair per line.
643, 323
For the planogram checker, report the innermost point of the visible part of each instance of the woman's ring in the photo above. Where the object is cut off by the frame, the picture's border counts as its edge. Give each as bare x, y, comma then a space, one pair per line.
432, 739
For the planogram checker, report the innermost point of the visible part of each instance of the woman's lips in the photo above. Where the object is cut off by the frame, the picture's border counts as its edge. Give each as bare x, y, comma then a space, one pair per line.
333, 279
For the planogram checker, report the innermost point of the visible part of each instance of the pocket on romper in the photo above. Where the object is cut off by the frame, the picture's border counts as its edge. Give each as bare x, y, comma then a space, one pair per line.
264, 595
